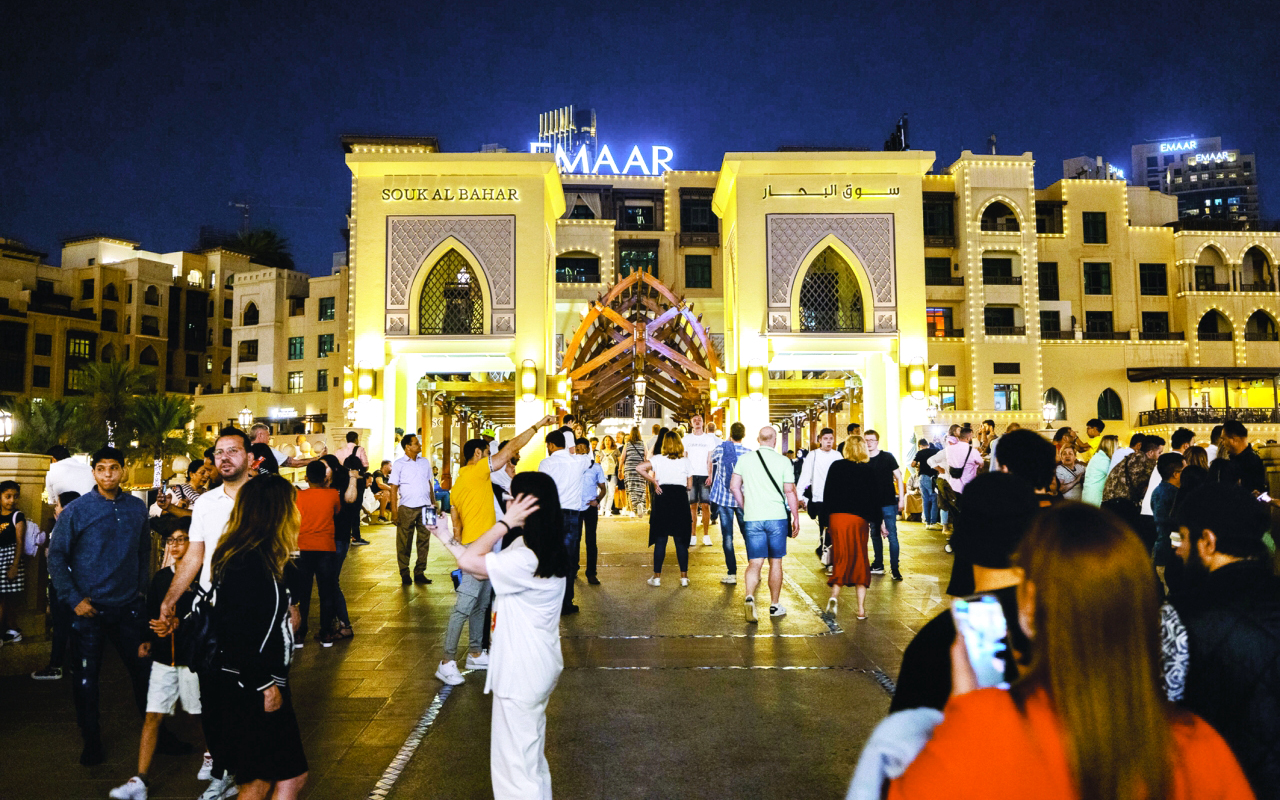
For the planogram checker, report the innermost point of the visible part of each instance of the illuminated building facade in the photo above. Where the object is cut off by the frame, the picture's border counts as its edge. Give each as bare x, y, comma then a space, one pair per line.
1209, 181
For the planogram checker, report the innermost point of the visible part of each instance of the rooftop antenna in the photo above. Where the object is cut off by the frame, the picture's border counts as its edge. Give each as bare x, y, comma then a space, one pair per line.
244, 215
991, 143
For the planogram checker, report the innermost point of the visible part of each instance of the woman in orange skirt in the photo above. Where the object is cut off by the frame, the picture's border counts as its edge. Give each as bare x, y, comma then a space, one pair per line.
849, 497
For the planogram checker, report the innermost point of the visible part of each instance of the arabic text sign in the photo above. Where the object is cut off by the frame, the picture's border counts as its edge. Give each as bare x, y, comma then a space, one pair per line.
849, 192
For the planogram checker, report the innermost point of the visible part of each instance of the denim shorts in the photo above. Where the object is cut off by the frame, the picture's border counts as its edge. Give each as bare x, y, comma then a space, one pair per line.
700, 493
767, 538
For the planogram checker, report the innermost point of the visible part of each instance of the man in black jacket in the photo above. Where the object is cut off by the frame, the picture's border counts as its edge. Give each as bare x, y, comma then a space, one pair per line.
1231, 608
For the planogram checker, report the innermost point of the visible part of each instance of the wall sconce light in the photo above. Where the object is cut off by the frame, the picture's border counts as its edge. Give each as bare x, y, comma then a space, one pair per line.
916, 378
246, 418
528, 380
366, 383
933, 380
755, 381
560, 388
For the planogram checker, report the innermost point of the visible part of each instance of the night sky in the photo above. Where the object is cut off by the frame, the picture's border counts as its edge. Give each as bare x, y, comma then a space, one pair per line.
145, 120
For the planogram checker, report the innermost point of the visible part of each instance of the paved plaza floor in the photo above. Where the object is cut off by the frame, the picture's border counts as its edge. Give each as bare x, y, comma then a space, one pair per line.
667, 692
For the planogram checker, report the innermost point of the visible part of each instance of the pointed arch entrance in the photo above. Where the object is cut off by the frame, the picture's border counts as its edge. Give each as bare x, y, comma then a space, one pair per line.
640, 328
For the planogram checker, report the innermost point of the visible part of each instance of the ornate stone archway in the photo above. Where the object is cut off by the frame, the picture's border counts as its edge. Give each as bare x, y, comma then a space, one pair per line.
640, 327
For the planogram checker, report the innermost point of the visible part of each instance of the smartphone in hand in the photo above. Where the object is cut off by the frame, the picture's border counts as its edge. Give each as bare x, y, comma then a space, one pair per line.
980, 619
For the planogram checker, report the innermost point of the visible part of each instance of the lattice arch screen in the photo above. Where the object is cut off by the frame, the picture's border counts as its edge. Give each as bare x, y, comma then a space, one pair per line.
451, 302
830, 298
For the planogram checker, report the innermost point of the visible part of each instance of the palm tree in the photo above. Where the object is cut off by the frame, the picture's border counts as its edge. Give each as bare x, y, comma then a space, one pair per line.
40, 424
160, 428
263, 246
111, 388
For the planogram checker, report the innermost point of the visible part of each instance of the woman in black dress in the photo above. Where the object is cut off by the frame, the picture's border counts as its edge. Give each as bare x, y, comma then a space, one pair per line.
849, 498
670, 475
255, 641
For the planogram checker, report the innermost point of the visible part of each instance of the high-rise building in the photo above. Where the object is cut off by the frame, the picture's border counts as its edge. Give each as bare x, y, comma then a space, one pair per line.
568, 128
1209, 181
1152, 159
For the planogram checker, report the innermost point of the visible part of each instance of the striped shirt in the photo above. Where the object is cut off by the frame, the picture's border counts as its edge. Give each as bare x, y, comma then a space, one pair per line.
720, 494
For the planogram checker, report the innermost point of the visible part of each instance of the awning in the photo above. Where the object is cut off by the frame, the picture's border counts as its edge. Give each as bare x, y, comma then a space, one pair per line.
1142, 374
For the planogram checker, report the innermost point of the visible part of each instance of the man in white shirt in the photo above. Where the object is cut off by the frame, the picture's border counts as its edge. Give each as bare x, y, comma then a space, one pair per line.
66, 474
1178, 443
412, 485
1212, 450
648, 445
260, 434
698, 446
1135, 442
813, 477
352, 448
209, 517
566, 468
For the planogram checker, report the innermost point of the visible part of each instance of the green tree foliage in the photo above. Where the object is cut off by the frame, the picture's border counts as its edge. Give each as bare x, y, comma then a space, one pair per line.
40, 424
263, 246
111, 388
158, 423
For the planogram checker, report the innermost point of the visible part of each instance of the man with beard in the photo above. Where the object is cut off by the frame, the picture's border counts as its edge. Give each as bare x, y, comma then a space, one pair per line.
1230, 604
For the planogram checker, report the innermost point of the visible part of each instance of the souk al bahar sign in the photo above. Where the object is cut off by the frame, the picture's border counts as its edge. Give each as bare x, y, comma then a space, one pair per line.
452, 193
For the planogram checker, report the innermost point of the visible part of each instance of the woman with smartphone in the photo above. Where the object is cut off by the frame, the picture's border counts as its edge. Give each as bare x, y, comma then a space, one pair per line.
1087, 719
851, 503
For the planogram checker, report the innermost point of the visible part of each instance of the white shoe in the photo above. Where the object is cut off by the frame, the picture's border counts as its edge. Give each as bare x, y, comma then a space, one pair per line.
221, 788
135, 789
729, 579
206, 769
706, 539
298, 645
777, 610
751, 609
654, 581
481, 662
684, 581
448, 672
831, 606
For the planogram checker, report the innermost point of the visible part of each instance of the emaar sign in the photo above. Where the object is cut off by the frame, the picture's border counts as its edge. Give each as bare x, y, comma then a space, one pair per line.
580, 163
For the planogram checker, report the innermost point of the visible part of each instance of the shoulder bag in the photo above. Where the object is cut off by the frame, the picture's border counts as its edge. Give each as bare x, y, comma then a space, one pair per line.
958, 472
197, 646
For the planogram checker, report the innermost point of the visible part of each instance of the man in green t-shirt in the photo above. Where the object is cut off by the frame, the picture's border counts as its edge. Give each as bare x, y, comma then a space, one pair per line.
763, 483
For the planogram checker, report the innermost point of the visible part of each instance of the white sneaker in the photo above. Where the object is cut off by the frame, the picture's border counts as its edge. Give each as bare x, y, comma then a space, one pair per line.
448, 672
480, 662
706, 539
684, 581
135, 789
299, 644
729, 579
206, 769
221, 788
777, 610
831, 606
654, 581
751, 609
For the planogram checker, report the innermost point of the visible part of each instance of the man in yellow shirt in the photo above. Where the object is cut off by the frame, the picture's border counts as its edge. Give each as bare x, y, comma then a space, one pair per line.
473, 514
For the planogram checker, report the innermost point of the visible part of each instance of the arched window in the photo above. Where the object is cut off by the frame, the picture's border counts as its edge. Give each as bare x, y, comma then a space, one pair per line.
1260, 328
251, 314
108, 353
109, 292
148, 357
1257, 275
1214, 327
451, 301
830, 298
152, 296
1211, 272
999, 217
1109, 405
1054, 397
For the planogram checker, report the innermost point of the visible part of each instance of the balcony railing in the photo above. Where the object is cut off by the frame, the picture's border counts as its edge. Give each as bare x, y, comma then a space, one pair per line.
1057, 334
1214, 336
1166, 336
1002, 280
1000, 330
1261, 336
1107, 335
1206, 416
957, 333
1257, 287
943, 280
1212, 287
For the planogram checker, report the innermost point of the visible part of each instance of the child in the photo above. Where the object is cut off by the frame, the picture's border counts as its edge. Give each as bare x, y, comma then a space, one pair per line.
171, 681
59, 613
13, 528
1163, 496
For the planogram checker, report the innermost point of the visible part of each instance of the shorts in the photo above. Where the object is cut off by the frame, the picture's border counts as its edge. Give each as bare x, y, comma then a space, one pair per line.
767, 538
168, 686
700, 493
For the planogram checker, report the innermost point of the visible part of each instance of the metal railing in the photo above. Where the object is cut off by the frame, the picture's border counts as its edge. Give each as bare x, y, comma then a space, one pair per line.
1167, 336
939, 280
957, 333
1214, 336
1000, 330
1257, 287
1206, 416
1261, 336
1002, 280
1107, 335
1057, 334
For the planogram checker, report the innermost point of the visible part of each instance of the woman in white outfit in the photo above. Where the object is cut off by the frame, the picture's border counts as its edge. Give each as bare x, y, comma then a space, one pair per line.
528, 577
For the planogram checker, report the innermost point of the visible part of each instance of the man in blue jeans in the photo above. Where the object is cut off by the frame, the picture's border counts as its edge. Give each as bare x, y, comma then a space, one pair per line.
888, 477
928, 491
763, 484
723, 460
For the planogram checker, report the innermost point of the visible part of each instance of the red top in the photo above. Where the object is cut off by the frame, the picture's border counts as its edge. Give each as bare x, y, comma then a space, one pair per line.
318, 505
986, 749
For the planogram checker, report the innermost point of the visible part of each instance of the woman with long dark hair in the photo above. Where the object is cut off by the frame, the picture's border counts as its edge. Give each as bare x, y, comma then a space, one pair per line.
346, 526
1088, 718
670, 474
528, 577
255, 641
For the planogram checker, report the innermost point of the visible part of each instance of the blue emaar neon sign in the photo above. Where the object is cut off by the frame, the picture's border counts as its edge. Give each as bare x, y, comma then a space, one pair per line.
580, 163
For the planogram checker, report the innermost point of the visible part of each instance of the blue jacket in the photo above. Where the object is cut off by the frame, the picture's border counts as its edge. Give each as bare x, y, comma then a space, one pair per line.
100, 549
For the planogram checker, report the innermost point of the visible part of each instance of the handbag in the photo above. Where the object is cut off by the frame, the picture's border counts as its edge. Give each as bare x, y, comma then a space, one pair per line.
958, 472
197, 646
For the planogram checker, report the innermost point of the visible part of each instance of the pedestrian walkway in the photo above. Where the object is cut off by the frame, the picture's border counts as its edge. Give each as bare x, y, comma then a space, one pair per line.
667, 692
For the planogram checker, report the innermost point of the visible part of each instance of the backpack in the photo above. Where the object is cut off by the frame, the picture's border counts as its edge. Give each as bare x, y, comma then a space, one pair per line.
34, 540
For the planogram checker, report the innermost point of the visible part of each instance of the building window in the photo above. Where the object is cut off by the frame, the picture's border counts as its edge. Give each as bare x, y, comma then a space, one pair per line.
999, 321
939, 219
577, 269
193, 365
1008, 397
830, 298
40, 377
208, 364
1048, 217
638, 217
1050, 321
297, 347
1048, 279
581, 211
999, 217
43, 344
149, 326
696, 215
297, 306
451, 303
697, 272
226, 337
1109, 405
46, 288
295, 383
76, 380
1095, 227
939, 322
637, 257
947, 396
86, 289
1204, 276
327, 309
1054, 398
1153, 280
1098, 322
248, 351
226, 365
1006, 368
999, 272
946, 370
1155, 321
324, 345
1153, 162
109, 320
937, 272
227, 313
1097, 278
251, 314
322, 380
79, 346
151, 297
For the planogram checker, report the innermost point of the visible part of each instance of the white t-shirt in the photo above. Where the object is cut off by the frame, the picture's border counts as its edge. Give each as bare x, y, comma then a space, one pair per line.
525, 659
1119, 455
698, 449
673, 471
814, 472
209, 517
68, 475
